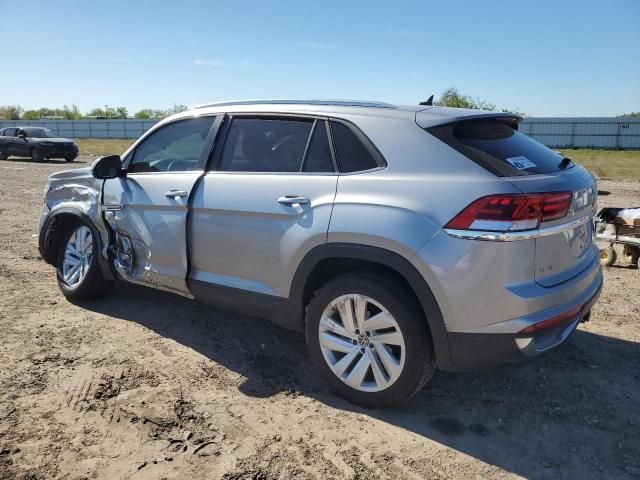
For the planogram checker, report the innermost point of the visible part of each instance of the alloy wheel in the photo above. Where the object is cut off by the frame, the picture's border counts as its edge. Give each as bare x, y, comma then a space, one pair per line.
362, 343
77, 256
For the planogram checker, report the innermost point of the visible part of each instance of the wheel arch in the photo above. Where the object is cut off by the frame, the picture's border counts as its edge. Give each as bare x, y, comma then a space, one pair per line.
325, 261
53, 231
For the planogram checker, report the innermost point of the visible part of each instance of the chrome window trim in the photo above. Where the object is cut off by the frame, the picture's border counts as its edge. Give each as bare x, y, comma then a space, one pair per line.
515, 236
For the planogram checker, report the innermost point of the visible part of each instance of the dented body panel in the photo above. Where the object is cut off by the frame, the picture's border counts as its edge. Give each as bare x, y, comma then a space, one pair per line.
73, 191
150, 227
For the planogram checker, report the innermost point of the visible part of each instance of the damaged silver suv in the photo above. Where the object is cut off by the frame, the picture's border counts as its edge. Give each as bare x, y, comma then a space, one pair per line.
399, 239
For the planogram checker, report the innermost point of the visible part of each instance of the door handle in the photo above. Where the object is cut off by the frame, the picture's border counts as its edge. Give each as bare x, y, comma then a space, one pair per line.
293, 200
175, 194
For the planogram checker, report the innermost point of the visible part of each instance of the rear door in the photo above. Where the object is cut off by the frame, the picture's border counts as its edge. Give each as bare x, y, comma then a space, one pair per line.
148, 208
266, 201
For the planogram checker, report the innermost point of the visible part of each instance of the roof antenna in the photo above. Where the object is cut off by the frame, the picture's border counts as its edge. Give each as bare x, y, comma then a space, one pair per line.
429, 101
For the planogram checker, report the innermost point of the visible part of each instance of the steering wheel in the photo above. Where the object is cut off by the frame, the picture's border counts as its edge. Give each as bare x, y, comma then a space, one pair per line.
179, 165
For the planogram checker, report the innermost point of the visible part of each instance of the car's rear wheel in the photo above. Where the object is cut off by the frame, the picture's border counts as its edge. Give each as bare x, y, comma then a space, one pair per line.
369, 340
607, 256
37, 155
78, 271
69, 159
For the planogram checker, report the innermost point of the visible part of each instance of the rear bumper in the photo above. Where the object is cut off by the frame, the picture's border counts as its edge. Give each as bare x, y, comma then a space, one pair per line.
473, 351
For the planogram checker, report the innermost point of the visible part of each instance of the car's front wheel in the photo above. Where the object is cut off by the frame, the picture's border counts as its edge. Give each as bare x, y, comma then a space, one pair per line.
69, 159
369, 339
78, 271
3, 154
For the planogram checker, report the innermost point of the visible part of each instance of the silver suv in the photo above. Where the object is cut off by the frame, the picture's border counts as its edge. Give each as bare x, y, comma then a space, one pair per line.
400, 239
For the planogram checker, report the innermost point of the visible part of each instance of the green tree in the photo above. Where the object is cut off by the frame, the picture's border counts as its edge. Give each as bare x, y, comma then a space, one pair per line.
122, 112
97, 112
31, 115
70, 113
451, 97
46, 112
144, 114
177, 108
631, 114
11, 112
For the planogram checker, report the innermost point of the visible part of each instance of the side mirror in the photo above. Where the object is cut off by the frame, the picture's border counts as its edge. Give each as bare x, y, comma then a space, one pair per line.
22, 136
107, 167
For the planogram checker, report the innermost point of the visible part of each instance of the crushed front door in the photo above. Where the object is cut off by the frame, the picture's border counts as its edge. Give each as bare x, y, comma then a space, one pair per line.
147, 209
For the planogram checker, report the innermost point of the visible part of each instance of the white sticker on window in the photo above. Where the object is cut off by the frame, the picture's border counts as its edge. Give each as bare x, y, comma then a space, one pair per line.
521, 163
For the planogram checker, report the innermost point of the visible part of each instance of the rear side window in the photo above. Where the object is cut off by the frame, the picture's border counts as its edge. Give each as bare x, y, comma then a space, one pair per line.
10, 132
265, 145
353, 155
498, 147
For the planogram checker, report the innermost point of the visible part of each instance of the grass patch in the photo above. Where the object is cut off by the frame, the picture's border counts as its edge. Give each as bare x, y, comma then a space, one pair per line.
608, 164
102, 146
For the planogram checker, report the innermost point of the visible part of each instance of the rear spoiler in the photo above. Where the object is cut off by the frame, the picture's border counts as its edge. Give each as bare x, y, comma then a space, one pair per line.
431, 117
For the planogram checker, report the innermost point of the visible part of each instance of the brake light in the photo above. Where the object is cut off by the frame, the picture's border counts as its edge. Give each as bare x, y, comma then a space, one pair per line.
512, 212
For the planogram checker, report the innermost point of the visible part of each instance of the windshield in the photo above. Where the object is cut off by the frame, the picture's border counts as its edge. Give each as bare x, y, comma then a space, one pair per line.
39, 133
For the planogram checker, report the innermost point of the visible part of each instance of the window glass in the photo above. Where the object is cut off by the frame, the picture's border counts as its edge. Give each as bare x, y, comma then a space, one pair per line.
174, 147
352, 155
318, 157
499, 147
36, 132
10, 132
265, 145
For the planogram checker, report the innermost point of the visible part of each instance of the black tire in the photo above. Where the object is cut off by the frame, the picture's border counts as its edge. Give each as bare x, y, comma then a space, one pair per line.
93, 285
3, 154
607, 256
419, 365
36, 155
69, 159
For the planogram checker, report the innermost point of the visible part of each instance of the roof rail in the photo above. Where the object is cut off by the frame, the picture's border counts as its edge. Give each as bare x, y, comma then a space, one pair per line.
340, 103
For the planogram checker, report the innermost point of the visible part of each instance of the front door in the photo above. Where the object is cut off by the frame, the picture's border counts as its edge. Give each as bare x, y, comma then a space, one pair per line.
266, 202
148, 207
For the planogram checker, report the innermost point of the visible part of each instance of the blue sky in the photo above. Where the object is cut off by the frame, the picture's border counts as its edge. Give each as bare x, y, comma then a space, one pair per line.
546, 58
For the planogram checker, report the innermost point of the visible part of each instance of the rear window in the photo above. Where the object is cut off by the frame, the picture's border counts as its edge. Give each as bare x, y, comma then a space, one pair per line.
353, 155
499, 148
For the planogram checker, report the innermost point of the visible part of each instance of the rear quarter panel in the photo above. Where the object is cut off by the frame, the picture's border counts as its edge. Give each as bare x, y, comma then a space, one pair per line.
400, 207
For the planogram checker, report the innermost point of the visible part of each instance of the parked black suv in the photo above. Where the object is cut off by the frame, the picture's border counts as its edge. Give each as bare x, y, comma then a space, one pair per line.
37, 143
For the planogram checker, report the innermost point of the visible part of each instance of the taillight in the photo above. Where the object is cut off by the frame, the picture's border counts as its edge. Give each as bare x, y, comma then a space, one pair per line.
512, 212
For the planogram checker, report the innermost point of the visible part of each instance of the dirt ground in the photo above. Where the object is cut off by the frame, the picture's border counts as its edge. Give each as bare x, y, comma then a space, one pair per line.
147, 385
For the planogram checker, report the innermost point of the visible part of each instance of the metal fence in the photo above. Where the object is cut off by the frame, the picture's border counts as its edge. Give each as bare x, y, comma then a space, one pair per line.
579, 132
619, 133
88, 128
